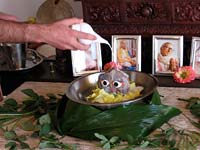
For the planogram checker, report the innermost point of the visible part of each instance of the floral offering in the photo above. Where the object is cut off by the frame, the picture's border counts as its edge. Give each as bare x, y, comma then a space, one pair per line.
184, 74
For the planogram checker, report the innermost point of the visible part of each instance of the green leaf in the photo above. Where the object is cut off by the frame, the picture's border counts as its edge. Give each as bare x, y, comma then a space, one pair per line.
11, 102
27, 125
172, 143
30, 93
45, 129
47, 144
114, 139
45, 119
156, 98
4, 110
11, 144
145, 144
21, 138
169, 132
24, 145
129, 123
106, 146
10, 135
195, 109
101, 137
69, 115
51, 95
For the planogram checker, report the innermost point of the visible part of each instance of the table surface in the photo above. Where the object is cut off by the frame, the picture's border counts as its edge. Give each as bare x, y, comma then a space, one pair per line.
170, 95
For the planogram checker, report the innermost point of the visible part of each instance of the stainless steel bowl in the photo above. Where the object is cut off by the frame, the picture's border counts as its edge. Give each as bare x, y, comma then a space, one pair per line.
80, 88
17, 57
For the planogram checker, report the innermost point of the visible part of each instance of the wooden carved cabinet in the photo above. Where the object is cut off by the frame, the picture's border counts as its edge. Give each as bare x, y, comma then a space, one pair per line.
145, 18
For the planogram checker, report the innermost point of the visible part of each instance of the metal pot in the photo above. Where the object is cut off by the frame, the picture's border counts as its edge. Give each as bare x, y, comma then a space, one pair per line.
17, 57
80, 88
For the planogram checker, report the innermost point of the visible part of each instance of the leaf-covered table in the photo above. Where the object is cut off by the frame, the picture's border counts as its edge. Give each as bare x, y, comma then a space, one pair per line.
170, 95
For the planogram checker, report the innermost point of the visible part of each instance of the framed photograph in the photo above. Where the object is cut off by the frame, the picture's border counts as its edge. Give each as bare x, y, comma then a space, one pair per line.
86, 62
167, 54
195, 55
126, 50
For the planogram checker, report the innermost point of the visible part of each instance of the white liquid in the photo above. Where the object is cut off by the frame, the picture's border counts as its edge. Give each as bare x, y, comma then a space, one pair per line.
102, 40
85, 27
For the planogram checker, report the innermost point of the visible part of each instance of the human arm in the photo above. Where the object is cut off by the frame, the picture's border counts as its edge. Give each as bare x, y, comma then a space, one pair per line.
58, 34
9, 17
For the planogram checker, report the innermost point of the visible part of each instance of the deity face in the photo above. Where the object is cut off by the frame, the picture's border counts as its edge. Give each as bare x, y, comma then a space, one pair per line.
114, 81
166, 49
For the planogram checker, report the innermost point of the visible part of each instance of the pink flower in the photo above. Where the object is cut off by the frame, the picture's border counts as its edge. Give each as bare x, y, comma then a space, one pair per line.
184, 74
112, 65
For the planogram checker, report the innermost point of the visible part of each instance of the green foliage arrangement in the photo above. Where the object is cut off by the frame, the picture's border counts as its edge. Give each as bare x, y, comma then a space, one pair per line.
33, 114
123, 128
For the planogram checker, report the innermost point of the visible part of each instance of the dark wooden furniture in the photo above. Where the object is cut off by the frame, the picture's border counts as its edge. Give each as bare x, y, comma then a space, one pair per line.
145, 18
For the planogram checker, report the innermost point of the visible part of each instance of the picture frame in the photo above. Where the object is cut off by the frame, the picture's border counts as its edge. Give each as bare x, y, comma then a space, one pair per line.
126, 50
86, 62
195, 55
167, 54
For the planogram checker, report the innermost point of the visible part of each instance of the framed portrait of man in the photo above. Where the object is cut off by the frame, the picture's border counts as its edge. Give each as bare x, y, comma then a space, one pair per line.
167, 54
195, 55
126, 50
86, 62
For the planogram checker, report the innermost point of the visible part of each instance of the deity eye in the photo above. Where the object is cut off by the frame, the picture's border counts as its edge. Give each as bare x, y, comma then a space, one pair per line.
117, 84
105, 83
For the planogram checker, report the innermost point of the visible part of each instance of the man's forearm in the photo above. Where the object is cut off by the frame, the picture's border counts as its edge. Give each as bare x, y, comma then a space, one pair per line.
19, 32
12, 31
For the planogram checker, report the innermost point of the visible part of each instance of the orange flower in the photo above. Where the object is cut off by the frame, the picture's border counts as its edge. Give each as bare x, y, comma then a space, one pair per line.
112, 65
184, 74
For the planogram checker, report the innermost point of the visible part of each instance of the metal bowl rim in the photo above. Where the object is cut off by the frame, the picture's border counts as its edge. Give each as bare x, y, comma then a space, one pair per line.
111, 104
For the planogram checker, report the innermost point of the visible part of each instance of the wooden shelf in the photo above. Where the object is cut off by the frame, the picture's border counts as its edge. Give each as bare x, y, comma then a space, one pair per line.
167, 81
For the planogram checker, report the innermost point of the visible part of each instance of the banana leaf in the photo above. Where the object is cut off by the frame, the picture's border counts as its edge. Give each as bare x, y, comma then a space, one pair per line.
130, 123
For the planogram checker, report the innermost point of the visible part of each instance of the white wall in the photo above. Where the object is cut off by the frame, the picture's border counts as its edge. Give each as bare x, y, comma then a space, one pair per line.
26, 8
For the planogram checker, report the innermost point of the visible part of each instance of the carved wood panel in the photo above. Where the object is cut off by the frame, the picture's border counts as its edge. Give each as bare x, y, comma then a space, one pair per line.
186, 12
145, 18
145, 11
103, 12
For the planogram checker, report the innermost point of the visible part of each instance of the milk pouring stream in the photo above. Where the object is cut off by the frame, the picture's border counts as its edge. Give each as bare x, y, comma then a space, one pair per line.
85, 27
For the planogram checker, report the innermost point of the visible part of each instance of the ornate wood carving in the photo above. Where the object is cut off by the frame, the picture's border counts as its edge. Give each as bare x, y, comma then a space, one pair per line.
187, 12
106, 14
143, 17
102, 12
138, 11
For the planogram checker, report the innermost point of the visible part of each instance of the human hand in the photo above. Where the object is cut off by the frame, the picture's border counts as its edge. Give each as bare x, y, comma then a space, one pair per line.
60, 35
8, 17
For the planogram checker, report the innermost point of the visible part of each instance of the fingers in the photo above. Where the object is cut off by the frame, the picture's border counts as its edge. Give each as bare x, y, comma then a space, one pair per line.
69, 38
71, 21
77, 45
80, 46
83, 35
74, 44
